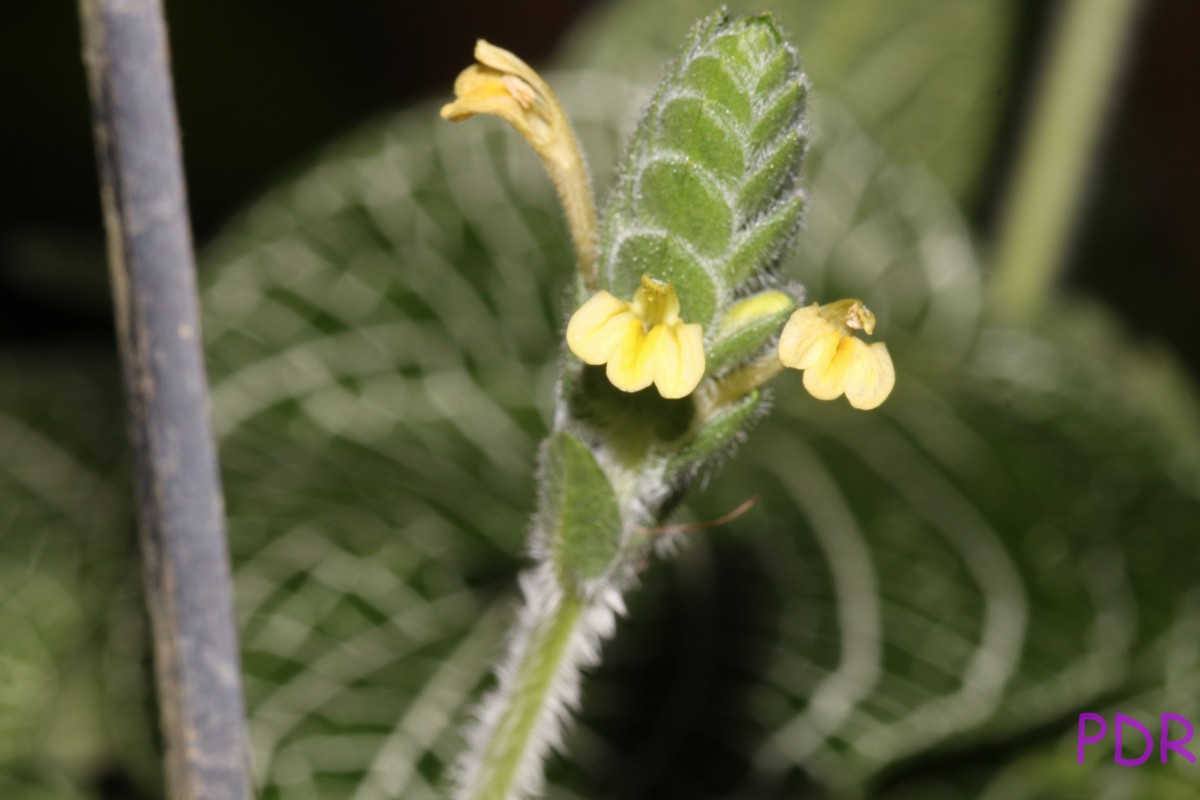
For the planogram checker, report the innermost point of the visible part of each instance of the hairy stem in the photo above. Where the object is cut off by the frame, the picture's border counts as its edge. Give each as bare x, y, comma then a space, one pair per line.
558, 634
539, 669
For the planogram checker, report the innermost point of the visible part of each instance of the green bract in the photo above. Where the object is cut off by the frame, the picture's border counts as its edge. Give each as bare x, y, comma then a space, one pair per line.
745, 327
709, 195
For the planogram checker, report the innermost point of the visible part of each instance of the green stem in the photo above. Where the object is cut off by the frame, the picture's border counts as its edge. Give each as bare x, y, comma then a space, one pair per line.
1058, 148
526, 700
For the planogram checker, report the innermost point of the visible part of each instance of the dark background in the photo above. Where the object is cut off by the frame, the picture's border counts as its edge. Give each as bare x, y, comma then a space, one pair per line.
262, 85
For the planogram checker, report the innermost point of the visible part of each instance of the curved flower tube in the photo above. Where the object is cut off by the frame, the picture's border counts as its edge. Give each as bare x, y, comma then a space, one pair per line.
504, 86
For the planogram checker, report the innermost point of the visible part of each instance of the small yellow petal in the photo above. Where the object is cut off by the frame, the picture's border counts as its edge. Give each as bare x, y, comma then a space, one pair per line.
612, 337
631, 367
807, 339
691, 357
483, 90
826, 380
505, 86
678, 356
598, 327
663, 349
502, 60
870, 377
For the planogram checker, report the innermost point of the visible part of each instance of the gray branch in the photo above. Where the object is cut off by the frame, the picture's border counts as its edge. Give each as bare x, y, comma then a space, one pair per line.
178, 489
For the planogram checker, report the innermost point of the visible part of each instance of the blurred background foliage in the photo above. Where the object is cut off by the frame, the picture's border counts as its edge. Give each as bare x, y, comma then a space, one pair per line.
922, 600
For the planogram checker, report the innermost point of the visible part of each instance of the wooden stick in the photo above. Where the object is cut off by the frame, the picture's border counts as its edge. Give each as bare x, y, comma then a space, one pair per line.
180, 506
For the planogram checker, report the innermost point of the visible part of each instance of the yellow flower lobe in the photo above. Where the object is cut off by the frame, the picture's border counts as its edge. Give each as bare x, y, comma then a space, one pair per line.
642, 342
820, 340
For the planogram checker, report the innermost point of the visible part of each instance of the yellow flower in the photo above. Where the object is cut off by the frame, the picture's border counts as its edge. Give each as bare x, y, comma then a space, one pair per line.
642, 342
820, 340
505, 86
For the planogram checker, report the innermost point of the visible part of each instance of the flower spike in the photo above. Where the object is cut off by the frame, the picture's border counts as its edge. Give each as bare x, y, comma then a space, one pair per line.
642, 342
820, 340
504, 86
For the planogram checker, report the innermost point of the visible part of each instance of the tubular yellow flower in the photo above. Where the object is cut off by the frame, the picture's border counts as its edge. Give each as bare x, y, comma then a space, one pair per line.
642, 342
505, 86
820, 340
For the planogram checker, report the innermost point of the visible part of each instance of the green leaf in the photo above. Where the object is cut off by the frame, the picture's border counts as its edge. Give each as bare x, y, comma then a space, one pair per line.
579, 515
